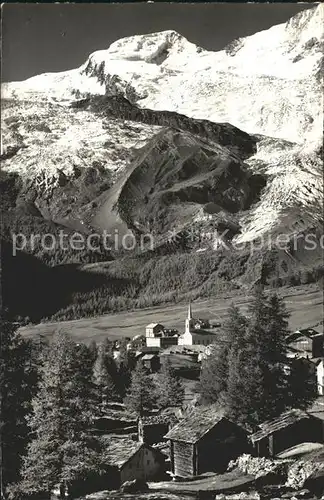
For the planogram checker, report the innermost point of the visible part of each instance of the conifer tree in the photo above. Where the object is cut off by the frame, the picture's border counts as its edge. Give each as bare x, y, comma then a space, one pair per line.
62, 449
214, 373
251, 376
244, 397
302, 384
141, 394
266, 334
235, 326
103, 377
125, 365
170, 391
18, 384
93, 350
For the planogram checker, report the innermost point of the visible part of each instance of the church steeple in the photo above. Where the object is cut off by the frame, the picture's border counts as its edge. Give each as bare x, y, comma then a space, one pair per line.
189, 320
189, 310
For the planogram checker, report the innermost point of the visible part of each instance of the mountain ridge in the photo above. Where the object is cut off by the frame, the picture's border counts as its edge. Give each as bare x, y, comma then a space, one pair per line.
272, 77
158, 135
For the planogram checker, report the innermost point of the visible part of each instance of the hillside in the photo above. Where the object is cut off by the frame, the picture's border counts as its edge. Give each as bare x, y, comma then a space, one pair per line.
304, 304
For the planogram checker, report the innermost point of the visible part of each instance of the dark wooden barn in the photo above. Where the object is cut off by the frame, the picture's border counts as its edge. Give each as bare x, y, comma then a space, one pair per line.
289, 429
205, 441
151, 362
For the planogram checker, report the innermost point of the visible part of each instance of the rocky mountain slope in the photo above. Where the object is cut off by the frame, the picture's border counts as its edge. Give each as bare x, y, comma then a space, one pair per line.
155, 134
267, 84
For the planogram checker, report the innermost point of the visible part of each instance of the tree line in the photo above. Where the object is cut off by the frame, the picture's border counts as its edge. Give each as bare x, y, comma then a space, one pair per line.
250, 375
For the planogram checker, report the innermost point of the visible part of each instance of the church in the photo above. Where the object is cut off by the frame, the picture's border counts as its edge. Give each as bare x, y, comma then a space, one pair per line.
196, 331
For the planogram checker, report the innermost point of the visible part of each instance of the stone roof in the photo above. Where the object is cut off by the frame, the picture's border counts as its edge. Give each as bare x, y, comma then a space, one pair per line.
168, 415
119, 450
193, 427
284, 420
184, 349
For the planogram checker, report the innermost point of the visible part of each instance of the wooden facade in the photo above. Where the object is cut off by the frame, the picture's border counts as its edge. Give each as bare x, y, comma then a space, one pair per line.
151, 362
208, 448
308, 343
292, 428
182, 459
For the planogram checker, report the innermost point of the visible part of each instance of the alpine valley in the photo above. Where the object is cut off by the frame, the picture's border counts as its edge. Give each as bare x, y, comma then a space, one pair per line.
205, 151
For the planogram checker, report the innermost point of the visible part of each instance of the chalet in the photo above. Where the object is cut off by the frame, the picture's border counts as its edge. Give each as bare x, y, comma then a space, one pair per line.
151, 362
205, 441
307, 343
196, 332
289, 429
158, 336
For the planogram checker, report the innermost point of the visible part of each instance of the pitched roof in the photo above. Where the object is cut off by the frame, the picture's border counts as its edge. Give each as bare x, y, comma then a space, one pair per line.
184, 349
119, 450
152, 325
149, 356
194, 426
203, 331
306, 332
284, 420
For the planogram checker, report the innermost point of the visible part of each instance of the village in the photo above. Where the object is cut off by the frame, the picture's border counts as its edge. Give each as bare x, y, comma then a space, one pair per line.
192, 448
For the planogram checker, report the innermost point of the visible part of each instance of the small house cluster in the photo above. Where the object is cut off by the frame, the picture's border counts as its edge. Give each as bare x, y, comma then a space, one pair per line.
185, 443
203, 440
307, 345
197, 332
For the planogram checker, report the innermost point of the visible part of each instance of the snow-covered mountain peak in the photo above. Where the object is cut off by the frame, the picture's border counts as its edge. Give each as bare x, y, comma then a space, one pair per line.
152, 48
268, 83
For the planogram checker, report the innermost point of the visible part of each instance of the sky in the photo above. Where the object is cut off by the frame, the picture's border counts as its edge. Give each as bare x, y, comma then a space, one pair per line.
40, 38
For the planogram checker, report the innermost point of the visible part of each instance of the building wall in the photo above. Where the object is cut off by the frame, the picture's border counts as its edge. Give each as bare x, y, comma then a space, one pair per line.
168, 341
303, 345
318, 347
211, 453
185, 339
182, 459
153, 341
306, 430
313, 347
143, 465
221, 444
320, 378
196, 339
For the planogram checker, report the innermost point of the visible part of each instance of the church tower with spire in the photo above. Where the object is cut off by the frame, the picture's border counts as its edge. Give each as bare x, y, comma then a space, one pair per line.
190, 322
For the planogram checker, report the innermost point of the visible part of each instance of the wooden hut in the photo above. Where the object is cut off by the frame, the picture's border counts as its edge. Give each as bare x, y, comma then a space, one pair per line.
151, 362
291, 428
205, 441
